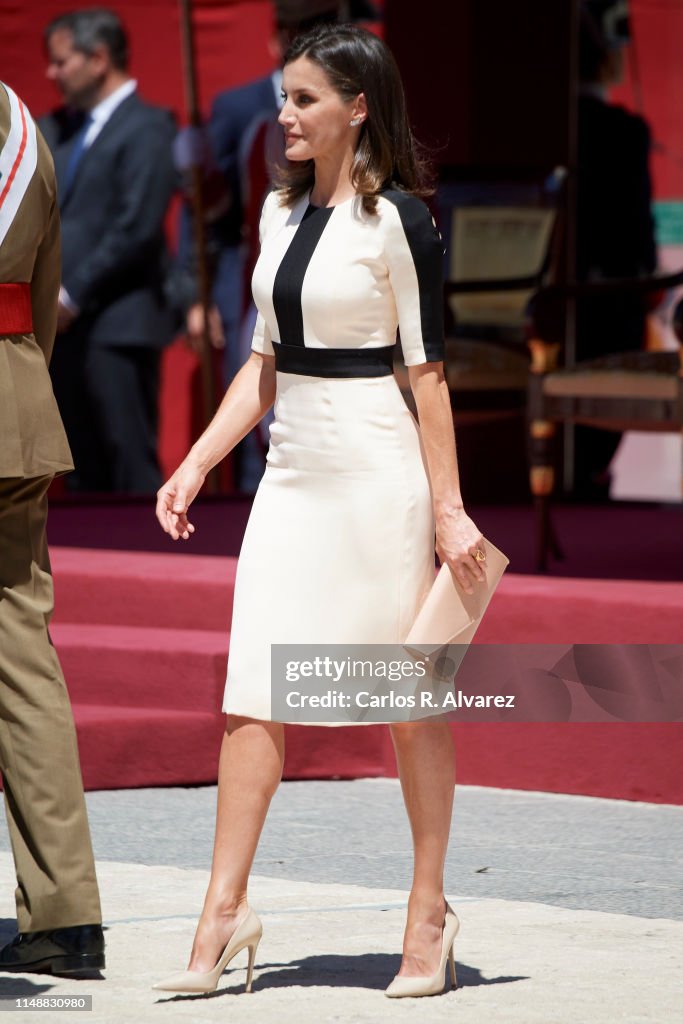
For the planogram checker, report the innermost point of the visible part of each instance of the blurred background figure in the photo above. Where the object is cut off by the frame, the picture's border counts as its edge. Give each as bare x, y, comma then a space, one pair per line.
113, 159
241, 143
615, 229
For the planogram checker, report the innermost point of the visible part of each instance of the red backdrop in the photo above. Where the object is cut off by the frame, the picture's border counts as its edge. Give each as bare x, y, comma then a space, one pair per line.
231, 39
657, 27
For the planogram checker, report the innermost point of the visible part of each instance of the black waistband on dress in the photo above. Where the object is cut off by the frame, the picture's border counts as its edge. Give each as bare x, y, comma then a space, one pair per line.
334, 362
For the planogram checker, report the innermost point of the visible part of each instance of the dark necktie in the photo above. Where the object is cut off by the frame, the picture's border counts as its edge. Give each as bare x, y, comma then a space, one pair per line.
76, 155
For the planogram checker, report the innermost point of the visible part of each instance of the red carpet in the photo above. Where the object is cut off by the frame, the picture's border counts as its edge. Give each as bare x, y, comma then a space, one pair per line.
143, 640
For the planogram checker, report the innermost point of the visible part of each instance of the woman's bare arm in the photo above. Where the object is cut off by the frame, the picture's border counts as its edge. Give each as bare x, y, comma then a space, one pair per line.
457, 537
250, 395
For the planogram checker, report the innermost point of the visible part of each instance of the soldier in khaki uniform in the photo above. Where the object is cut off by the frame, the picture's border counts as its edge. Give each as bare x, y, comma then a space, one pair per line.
58, 907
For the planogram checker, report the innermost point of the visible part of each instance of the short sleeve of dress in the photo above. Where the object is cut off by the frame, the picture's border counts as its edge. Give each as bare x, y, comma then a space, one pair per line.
414, 256
261, 340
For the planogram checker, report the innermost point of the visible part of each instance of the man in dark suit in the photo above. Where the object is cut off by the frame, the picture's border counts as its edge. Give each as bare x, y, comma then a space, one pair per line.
57, 899
115, 176
615, 229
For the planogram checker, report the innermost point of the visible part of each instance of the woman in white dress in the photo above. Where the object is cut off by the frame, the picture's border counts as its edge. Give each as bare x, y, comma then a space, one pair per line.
340, 542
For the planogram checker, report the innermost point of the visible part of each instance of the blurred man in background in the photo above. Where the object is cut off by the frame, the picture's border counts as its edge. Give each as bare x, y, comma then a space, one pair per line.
115, 174
615, 229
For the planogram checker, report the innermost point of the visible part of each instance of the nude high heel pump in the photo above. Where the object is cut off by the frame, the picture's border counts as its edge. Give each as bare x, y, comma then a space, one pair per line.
246, 936
434, 984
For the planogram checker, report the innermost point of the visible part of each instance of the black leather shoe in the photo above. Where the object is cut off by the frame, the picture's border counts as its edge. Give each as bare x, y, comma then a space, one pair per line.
72, 951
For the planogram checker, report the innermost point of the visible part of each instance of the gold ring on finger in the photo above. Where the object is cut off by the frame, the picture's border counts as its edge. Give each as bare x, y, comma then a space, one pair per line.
479, 555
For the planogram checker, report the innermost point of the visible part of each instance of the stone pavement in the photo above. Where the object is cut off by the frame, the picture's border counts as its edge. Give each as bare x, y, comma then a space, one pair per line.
330, 886
576, 852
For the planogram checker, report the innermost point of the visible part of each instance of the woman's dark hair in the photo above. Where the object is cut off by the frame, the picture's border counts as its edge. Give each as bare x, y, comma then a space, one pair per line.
387, 155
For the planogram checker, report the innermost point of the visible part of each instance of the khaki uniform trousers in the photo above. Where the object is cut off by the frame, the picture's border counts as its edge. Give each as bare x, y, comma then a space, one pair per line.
46, 813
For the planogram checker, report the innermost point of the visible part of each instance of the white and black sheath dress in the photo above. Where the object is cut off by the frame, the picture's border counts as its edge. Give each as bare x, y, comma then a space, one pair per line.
339, 547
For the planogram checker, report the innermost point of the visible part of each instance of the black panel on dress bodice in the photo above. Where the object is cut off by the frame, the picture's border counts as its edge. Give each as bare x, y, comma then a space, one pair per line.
290, 275
426, 248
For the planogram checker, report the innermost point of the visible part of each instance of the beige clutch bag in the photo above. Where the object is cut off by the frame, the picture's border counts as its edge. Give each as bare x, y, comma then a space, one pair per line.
449, 615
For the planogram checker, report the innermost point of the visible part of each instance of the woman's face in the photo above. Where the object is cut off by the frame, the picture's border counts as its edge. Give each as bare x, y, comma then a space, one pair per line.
315, 117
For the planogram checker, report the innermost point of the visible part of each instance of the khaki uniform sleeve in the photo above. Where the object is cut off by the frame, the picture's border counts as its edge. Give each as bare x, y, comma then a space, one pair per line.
47, 275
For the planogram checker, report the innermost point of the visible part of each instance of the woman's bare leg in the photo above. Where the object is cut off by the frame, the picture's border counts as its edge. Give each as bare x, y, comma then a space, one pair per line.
250, 769
426, 763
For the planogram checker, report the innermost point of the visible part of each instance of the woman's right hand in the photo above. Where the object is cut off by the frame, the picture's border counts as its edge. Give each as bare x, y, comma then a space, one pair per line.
175, 497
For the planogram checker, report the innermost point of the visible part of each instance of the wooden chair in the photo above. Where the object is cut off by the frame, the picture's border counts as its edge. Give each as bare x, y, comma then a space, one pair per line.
497, 253
629, 391
495, 235
499, 241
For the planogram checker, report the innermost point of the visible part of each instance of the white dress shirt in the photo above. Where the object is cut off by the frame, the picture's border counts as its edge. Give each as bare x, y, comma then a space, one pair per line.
100, 114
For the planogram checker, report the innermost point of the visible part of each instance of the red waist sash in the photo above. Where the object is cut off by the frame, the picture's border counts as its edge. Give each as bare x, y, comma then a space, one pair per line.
16, 315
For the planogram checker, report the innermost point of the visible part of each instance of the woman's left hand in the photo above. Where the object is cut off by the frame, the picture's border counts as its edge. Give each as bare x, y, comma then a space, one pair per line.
458, 541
